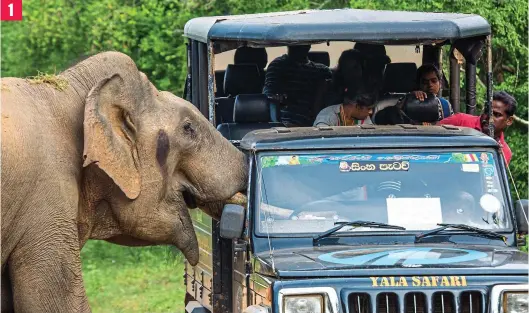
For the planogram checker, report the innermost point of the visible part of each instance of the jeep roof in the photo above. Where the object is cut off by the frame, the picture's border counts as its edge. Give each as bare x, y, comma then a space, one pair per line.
365, 136
388, 27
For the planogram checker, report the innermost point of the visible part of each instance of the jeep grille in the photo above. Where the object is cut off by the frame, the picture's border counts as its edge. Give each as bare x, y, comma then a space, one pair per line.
417, 302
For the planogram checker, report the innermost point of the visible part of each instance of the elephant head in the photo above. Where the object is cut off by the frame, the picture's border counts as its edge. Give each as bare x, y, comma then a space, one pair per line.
147, 153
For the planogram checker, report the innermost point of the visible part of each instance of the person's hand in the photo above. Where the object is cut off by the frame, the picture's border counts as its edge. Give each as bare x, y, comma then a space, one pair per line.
421, 95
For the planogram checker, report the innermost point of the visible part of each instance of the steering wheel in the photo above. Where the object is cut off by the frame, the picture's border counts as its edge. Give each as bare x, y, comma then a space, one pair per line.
316, 206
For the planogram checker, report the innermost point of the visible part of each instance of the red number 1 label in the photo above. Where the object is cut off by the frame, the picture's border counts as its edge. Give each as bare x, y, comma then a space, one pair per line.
11, 10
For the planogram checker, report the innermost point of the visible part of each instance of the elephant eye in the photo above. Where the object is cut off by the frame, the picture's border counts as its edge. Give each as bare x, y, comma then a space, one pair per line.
188, 128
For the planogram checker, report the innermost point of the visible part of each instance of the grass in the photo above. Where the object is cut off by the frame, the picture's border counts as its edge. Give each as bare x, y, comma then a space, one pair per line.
50, 79
128, 279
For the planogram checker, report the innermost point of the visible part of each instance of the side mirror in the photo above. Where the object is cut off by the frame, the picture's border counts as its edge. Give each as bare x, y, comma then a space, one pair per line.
232, 221
521, 215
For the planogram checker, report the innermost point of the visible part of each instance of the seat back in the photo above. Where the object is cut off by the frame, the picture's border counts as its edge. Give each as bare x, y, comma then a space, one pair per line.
242, 78
399, 78
321, 57
219, 83
248, 55
251, 112
238, 79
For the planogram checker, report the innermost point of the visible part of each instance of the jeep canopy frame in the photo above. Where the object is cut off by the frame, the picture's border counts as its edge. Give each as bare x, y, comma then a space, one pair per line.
466, 33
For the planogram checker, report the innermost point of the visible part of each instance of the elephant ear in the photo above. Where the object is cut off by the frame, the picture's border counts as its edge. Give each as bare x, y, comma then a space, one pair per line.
110, 135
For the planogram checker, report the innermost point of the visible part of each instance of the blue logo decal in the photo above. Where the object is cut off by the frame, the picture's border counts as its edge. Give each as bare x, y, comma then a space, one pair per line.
408, 256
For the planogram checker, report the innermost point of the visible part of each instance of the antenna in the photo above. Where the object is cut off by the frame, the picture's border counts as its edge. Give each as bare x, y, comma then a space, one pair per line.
513, 182
488, 106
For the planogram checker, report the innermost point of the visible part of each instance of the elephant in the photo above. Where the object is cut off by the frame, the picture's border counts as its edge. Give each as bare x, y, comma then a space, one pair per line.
108, 157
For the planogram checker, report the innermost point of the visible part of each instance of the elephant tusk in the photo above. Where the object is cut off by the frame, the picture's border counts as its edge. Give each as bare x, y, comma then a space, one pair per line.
238, 198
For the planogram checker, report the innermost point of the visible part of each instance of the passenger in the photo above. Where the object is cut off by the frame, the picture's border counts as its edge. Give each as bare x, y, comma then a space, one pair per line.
293, 75
375, 63
429, 80
355, 110
349, 75
503, 110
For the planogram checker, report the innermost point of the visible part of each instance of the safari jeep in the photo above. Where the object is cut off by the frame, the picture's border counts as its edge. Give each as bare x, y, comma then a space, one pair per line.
358, 219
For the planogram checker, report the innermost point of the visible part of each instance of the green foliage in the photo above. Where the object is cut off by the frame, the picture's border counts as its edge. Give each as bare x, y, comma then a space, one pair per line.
126, 279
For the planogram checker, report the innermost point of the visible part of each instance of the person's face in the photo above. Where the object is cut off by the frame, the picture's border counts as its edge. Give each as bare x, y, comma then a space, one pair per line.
361, 112
430, 83
499, 116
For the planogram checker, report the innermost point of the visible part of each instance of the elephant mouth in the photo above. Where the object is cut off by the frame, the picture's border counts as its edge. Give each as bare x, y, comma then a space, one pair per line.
189, 198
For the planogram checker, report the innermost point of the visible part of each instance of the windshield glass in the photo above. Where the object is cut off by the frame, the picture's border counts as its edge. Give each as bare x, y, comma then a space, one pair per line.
308, 193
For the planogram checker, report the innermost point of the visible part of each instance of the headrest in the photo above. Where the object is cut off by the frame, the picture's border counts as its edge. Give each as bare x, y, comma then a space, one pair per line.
430, 110
321, 57
247, 55
254, 108
400, 77
242, 78
370, 49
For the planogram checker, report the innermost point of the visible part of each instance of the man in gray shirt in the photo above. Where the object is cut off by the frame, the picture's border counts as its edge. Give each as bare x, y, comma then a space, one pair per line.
355, 110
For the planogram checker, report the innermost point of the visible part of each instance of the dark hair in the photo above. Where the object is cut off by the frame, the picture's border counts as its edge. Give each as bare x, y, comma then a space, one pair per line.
427, 68
508, 100
299, 49
351, 54
361, 98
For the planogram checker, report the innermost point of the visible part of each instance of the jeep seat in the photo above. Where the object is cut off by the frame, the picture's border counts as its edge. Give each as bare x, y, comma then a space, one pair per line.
399, 79
239, 79
321, 57
251, 112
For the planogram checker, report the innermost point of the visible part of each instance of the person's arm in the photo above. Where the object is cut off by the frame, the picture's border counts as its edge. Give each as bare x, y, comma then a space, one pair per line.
272, 84
450, 108
447, 107
454, 120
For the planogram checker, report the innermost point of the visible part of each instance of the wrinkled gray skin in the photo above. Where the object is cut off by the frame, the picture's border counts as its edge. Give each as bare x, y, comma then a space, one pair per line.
108, 158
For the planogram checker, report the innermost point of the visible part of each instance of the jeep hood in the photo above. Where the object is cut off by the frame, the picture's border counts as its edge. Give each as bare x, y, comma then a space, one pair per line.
341, 261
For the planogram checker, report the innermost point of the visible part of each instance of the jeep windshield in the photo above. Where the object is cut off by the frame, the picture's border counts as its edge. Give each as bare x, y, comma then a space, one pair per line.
306, 194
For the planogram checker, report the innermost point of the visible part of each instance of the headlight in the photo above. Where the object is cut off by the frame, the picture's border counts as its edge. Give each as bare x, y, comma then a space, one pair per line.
308, 300
510, 298
515, 302
304, 304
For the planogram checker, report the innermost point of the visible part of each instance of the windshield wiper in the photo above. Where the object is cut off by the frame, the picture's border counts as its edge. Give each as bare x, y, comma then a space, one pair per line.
355, 223
480, 231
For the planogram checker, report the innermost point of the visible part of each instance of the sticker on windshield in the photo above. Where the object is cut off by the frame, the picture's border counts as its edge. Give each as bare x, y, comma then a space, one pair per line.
470, 168
464, 158
484, 158
374, 166
489, 171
